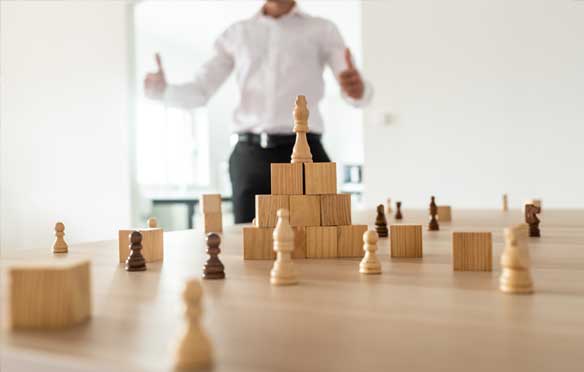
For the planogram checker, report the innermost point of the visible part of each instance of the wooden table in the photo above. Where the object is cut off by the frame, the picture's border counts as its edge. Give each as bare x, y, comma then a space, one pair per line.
419, 315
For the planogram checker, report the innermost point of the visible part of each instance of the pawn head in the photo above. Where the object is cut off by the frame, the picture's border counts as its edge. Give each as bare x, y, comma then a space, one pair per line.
213, 239
370, 237
136, 237
282, 212
59, 227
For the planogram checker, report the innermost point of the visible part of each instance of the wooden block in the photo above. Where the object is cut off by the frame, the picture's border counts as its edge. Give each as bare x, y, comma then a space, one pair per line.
51, 296
320, 178
472, 251
350, 240
299, 242
406, 241
211, 203
444, 213
213, 222
258, 243
305, 210
321, 242
266, 208
335, 210
152, 244
286, 179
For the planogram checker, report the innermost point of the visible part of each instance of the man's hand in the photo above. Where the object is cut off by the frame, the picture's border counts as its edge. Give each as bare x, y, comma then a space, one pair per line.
350, 79
155, 83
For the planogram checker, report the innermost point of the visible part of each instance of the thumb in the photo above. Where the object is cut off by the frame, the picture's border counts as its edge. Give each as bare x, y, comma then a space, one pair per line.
349, 59
159, 63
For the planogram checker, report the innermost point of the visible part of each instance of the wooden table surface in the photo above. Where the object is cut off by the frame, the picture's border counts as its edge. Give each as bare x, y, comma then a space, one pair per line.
418, 315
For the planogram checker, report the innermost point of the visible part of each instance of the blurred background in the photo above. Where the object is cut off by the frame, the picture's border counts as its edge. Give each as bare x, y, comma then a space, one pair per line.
473, 99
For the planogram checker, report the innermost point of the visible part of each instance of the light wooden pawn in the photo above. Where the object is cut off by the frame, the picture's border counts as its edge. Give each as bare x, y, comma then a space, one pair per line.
194, 349
370, 263
152, 222
301, 151
283, 271
505, 203
388, 209
60, 245
515, 262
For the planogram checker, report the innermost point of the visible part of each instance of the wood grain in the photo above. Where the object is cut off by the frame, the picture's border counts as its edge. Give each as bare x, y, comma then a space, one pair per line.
286, 179
335, 210
472, 251
258, 243
418, 316
350, 240
406, 241
444, 213
267, 206
320, 178
213, 222
321, 242
305, 210
211, 203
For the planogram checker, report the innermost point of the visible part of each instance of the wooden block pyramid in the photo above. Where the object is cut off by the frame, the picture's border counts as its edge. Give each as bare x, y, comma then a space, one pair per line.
320, 217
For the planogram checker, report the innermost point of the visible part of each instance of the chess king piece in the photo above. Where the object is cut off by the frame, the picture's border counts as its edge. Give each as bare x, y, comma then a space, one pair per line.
433, 225
531, 219
398, 214
505, 203
152, 222
370, 263
381, 222
214, 268
60, 245
301, 151
283, 271
515, 262
135, 261
388, 209
194, 349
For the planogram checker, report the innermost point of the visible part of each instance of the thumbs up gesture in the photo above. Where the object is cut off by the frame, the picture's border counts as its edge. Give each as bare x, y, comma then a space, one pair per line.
155, 82
350, 79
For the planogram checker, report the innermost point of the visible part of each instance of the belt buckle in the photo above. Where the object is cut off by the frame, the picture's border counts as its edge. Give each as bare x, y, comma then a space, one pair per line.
264, 140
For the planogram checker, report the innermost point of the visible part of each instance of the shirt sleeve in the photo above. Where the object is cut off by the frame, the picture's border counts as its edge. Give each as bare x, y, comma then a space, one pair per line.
208, 79
334, 54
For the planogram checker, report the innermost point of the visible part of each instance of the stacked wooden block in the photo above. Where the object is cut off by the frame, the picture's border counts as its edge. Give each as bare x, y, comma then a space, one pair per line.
212, 217
321, 218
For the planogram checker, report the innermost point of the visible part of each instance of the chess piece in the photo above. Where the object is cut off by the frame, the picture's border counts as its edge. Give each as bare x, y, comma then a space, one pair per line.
301, 151
60, 245
135, 261
152, 222
505, 203
370, 263
398, 214
381, 222
283, 271
531, 219
433, 225
388, 209
214, 268
515, 262
194, 349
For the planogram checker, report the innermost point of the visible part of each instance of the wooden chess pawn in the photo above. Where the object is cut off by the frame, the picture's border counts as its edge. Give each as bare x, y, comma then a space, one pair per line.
152, 222
60, 245
283, 272
433, 225
505, 203
388, 209
370, 263
214, 268
194, 349
301, 151
515, 262
531, 219
135, 261
398, 213
381, 222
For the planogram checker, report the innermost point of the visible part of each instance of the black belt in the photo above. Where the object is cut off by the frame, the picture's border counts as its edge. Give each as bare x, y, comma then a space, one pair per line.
265, 140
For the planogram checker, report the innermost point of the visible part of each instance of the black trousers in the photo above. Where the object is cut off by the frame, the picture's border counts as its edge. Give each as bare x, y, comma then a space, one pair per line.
249, 170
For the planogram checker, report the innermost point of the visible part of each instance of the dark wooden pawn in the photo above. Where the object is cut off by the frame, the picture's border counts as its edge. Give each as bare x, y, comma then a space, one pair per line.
398, 214
214, 268
381, 222
135, 261
433, 225
531, 219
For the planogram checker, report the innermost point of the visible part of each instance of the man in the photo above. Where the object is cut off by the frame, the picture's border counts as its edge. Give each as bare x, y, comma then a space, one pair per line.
277, 54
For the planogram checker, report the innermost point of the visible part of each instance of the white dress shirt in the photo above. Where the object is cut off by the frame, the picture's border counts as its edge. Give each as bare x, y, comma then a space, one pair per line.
274, 61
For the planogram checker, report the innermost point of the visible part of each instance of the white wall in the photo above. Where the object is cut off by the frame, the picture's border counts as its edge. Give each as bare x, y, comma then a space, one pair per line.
64, 89
487, 97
